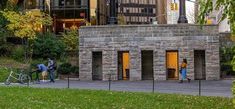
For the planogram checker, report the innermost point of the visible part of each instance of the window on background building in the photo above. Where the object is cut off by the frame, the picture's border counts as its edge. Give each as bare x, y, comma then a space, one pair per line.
136, 19
127, 19
61, 2
39, 4
136, 1
142, 10
119, 1
154, 2
145, 19
145, 2
145, 10
127, 10
150, 10
84, 2
56, 3
136, 10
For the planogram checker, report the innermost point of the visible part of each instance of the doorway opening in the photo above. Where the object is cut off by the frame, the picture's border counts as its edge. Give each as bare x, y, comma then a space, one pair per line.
97, 66
147, 65
172, 64
123, 65
199, 64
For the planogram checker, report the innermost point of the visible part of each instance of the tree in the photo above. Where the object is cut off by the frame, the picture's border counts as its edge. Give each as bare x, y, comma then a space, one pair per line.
121, 19
70, 38
206, 6
26, 25
48, 45
3, 4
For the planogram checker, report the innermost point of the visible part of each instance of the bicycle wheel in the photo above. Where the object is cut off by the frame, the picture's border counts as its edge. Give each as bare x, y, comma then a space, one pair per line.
8, 81
25, 79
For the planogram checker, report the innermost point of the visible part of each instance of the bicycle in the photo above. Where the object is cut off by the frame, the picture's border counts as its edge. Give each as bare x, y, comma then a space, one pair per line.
21, 77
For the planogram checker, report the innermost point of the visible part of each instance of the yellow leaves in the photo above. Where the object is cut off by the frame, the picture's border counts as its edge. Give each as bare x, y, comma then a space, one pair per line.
25, 25
70, 38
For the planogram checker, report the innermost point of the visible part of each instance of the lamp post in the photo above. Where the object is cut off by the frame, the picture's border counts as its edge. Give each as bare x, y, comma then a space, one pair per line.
182, 16
113, 13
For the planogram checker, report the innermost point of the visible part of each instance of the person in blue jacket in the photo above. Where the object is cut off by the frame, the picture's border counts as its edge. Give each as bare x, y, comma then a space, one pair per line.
41, 68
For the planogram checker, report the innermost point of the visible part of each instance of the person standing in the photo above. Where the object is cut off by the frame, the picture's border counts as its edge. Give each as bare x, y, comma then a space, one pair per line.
51, 69
183, 71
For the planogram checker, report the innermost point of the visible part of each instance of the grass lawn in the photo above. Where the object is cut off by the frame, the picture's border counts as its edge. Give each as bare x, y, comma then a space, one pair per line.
40, 98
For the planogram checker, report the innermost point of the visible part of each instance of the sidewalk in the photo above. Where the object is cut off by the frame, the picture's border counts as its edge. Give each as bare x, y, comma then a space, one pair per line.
208, 88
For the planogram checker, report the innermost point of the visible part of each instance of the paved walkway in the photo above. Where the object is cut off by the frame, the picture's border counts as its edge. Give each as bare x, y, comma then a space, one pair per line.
208, 88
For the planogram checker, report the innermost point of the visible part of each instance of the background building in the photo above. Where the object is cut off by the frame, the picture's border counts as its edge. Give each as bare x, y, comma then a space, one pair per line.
137, 11
69, 12
65, 13
214, 18
102, 12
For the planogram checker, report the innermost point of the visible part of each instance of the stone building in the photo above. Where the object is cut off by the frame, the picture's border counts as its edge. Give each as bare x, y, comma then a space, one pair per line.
143, 52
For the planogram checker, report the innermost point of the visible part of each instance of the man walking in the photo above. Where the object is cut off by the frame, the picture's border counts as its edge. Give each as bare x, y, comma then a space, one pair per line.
51, 68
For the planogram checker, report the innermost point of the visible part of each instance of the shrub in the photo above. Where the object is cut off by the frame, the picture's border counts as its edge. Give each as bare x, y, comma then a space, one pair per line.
67, 68
35, 62
70, 38
18, 54
64, 68
5, 49
75, 69
48, 46
226, 58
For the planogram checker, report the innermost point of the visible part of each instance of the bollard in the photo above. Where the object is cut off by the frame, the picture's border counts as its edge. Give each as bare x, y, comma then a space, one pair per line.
153, 85
28, 81
200, 87
109, 82
68, 80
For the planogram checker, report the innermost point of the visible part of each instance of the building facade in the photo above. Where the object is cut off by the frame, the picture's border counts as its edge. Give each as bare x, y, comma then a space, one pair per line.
102, 12
137, 11
214, 18
148, 52
65, 13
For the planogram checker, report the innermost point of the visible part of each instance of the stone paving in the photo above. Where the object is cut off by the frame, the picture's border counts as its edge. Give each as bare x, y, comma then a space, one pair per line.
208, 88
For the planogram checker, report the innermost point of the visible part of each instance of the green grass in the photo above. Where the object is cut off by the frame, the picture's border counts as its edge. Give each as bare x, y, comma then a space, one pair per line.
4, 74
41, 98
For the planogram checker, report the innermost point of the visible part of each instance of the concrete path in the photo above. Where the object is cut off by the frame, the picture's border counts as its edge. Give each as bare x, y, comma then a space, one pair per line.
208, 88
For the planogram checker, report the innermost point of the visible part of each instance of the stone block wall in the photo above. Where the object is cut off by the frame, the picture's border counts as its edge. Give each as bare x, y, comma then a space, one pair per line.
184, 38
